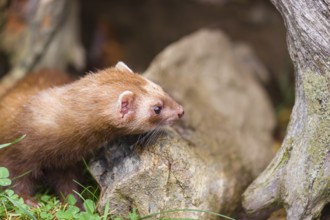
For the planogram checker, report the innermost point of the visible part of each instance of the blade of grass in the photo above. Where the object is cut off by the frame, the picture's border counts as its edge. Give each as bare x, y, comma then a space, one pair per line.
21, 175
106, 210
13, 142
87, 190
21, 208
4, 206
186, 210
180, 219
82, 198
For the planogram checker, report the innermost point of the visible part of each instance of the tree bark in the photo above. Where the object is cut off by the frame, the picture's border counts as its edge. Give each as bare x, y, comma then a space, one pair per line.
299, 176
47, 36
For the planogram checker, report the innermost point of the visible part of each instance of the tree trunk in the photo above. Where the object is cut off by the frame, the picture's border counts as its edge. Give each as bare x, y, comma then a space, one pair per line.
40, 34
299, 175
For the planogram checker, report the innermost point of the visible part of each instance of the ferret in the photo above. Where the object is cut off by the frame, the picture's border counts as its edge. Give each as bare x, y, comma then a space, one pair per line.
67, 121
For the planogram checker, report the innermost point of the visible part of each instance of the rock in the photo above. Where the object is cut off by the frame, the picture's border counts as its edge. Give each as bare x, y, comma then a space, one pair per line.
207, 160
248, 60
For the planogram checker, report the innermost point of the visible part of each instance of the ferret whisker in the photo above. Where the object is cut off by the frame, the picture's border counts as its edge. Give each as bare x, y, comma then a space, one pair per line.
138, 140
145, 137
142, 137
150, 137
155, 133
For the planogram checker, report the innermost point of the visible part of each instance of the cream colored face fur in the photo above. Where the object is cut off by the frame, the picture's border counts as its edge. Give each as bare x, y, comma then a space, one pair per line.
63, 110
154, 109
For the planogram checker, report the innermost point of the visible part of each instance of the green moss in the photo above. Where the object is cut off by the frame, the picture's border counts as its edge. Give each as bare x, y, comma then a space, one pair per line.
318, 149
286, 154
317, 93
319, 128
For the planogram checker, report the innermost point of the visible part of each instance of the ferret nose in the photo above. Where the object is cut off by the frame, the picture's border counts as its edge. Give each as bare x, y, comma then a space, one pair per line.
181, 112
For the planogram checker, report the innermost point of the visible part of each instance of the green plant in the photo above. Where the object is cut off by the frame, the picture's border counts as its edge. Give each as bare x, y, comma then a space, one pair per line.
70, 211
4, 177
162, 215
12, 206
50, 208
8, 199
4, 173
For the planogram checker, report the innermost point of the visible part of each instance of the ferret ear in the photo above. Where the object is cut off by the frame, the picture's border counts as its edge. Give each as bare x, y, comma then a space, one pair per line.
123, 67
125, 103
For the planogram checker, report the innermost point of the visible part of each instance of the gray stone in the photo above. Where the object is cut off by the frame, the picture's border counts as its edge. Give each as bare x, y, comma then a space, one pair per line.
207, 160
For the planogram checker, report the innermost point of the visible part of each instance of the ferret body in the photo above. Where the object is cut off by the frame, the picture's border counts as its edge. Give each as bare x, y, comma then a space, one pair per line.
65, 123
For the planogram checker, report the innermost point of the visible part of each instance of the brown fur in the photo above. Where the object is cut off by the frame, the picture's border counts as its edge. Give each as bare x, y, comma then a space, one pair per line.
64, 124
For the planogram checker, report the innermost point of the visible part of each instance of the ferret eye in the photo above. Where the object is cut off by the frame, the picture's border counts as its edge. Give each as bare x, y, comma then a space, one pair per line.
157, 109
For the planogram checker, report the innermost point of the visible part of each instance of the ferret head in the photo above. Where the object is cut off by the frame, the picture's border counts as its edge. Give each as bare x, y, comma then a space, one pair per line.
142, 105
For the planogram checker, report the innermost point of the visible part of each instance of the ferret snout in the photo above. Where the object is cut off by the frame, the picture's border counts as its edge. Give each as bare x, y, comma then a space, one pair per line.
180, 112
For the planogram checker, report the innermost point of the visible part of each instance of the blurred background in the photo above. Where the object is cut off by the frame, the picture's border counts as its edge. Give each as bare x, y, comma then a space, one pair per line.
82, 36
136, 31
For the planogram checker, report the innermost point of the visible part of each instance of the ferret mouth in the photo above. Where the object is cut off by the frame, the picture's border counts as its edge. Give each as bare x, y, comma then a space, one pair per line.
170, 121
164, 123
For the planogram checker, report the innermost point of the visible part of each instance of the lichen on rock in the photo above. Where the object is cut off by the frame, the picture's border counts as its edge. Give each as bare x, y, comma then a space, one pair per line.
205, 161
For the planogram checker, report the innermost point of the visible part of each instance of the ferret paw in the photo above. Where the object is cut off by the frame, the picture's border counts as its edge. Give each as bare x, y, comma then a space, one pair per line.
31, 202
